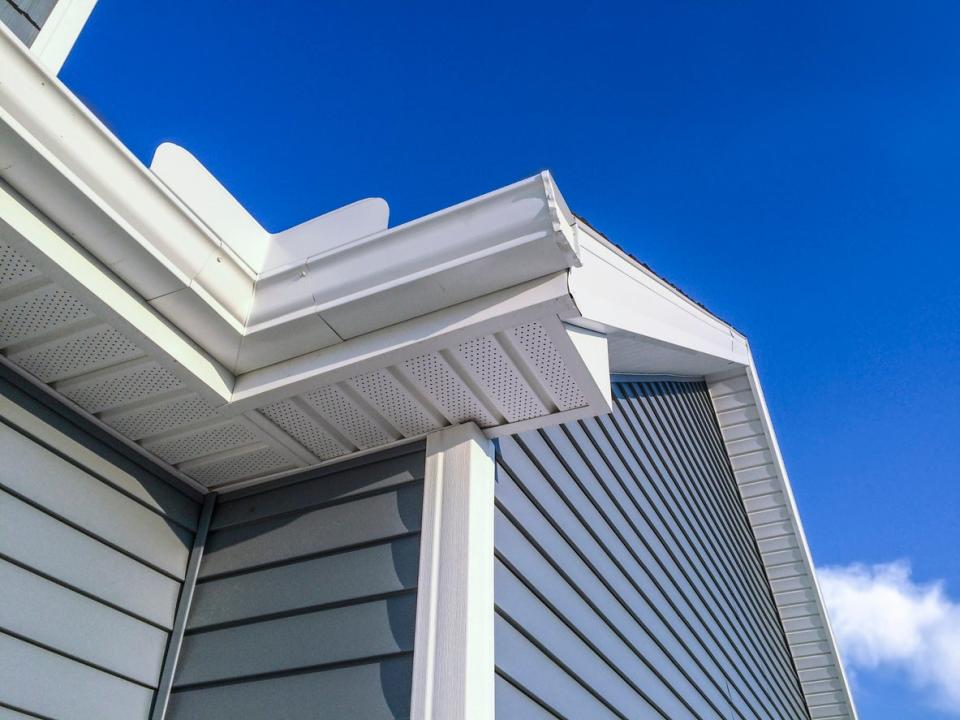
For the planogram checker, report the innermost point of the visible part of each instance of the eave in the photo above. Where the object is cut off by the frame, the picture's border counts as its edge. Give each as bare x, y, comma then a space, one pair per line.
655, 330
120, 297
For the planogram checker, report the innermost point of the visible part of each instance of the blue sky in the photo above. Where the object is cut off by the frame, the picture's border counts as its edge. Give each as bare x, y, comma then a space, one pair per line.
794, 166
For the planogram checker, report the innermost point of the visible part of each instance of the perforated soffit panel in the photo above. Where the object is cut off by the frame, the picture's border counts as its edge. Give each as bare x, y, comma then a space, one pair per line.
500, 380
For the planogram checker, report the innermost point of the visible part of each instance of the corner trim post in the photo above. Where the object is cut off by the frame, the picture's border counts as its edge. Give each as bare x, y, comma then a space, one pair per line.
453, 664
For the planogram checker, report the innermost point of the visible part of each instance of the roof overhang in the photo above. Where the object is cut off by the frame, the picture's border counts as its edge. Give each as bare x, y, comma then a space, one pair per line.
154, 305
153, 302
655, 330
652, 327
309, 290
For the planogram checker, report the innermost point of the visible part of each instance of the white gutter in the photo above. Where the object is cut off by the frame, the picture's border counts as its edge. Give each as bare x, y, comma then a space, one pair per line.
57, 154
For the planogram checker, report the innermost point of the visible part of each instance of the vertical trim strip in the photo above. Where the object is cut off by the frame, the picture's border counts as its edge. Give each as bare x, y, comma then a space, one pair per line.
453, 663
60, 31
175, 643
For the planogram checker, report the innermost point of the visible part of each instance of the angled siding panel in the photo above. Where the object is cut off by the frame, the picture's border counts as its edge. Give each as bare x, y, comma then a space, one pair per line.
514, 703
306, 600
8, 714
92, 552
527, 665
628, 581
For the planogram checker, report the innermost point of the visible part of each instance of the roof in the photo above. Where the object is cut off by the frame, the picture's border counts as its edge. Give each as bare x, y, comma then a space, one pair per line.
154, 304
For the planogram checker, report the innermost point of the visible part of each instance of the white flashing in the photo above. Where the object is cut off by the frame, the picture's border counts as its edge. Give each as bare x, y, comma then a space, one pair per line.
261, 250
593, 351
453, 660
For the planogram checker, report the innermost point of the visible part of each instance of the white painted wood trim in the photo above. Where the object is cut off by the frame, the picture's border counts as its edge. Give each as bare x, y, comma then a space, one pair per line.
60, 32
453, 666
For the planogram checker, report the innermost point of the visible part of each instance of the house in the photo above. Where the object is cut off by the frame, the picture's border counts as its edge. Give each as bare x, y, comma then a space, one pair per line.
482, 464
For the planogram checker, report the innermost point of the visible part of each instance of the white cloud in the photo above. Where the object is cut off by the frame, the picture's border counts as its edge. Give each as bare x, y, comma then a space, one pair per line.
882, 618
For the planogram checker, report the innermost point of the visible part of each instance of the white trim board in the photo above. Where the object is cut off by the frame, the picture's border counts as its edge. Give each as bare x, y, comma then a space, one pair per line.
453, 662
765, 488
60, 32
90, 338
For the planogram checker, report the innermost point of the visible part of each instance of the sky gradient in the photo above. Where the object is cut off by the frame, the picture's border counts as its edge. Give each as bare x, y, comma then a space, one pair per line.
793, 166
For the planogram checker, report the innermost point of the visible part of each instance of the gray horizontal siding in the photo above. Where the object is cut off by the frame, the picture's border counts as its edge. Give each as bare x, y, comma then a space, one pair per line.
78, 626
47, 684
25, 17
627, 581
306, 601
375, 690
281, 539
387, 567
93, 547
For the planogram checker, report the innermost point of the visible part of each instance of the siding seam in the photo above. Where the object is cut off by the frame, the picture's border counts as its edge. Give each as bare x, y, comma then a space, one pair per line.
74, 658
79, 528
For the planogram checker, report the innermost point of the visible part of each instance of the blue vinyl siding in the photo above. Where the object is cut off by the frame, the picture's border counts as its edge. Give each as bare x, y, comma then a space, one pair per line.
306, 601
628, 583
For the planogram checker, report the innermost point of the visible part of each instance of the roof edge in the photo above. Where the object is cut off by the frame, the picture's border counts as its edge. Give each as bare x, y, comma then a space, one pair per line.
64, 161
725, 387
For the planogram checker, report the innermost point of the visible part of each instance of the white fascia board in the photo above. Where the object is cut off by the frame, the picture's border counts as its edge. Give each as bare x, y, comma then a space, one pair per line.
59, 33
82, 168
615, 293
736, 394
536, 300
65, 162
